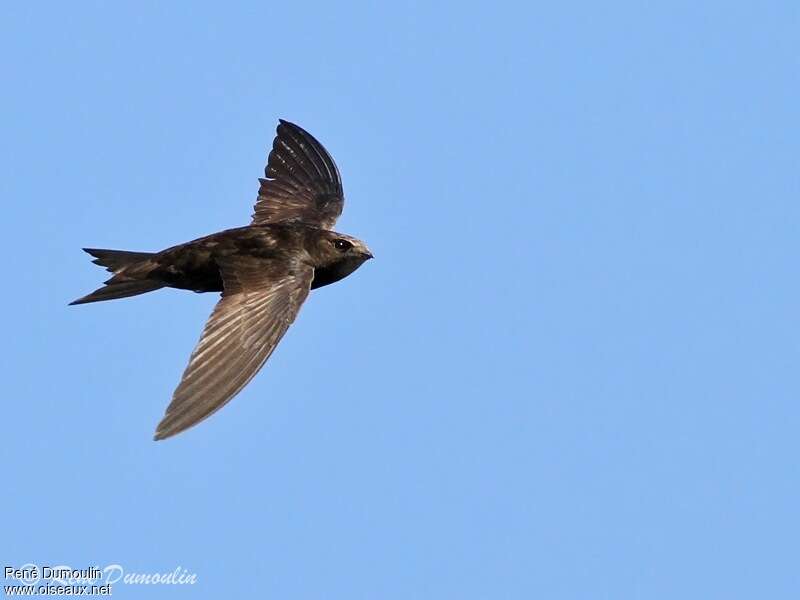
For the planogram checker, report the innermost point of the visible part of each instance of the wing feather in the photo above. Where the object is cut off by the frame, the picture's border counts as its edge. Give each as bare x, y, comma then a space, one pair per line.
302, 181
246, 325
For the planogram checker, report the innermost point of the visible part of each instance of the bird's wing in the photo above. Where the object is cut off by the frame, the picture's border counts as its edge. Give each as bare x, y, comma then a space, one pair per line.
256, 309
302, 182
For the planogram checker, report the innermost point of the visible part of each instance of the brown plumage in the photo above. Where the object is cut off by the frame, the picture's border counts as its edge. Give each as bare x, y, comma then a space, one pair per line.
264, 271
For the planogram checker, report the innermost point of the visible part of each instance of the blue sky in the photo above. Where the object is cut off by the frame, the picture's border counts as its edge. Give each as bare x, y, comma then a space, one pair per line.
571, 371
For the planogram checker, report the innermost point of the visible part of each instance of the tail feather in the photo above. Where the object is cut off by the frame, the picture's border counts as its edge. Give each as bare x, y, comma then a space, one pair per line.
122, 289
114, 260
130, 275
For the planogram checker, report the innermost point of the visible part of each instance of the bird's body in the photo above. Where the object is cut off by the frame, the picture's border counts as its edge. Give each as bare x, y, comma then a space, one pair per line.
194, 265
264, 271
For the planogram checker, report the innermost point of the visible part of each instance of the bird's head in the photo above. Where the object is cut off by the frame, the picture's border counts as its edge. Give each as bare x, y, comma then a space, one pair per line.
335, 248
336, 256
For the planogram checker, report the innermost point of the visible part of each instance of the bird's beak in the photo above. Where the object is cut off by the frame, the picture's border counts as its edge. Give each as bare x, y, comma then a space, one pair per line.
368, 254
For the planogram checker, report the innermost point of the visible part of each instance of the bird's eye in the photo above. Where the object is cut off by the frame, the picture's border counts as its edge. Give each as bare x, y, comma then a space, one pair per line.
342, 245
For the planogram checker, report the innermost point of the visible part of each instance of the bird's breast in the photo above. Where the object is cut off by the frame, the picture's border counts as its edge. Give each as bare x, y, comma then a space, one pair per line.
335, 272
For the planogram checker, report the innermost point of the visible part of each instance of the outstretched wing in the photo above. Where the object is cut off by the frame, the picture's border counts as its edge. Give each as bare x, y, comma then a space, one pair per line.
258, 304
302, 184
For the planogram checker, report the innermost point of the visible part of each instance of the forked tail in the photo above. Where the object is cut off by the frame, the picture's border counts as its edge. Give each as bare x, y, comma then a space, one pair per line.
130, 275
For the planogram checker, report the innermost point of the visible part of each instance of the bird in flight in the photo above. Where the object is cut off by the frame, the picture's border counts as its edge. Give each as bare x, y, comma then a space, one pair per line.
264, 271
